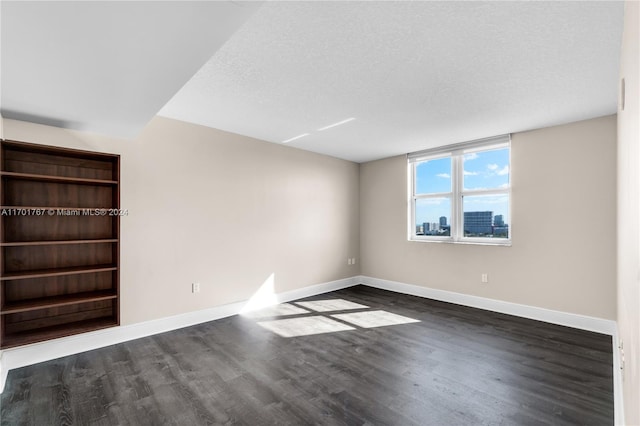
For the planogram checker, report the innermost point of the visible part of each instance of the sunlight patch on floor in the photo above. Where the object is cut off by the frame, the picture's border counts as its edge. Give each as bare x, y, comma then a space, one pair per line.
282, 310
331, 305
371, 319
305, 326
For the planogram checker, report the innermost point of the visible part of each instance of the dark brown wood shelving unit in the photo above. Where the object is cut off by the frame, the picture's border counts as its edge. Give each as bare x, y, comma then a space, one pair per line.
59, 273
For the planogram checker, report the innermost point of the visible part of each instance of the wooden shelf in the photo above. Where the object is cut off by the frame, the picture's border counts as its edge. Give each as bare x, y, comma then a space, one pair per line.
55, 301
59, 242
43, 293
55, 272
58, 179
46, 333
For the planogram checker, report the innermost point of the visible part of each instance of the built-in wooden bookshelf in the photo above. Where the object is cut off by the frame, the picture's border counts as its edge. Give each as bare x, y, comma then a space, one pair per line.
59, 242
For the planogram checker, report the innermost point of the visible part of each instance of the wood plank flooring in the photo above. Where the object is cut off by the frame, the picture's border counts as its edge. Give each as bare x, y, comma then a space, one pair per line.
456, 366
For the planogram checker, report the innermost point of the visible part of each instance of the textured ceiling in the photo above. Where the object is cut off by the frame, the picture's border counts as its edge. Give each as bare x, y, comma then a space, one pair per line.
413, 75
106, 66
409, 75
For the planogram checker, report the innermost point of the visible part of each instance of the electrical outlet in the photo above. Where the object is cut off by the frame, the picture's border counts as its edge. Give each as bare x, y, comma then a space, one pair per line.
195, 288
348, 261
484, 278
353, 260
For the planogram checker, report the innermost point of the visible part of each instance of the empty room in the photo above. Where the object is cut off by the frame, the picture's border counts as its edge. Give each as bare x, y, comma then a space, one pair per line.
319, 212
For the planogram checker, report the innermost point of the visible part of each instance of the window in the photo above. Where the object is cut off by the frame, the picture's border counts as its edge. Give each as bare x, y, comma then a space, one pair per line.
462, 193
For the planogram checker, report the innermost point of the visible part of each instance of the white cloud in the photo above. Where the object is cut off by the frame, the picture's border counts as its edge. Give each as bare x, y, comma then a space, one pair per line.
468, 173
492, 167
503, 171
443, 175
471, 156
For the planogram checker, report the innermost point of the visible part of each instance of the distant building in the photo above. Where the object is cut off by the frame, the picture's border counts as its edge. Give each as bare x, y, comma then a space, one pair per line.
433, 228
498, 220
478, 223
443, 221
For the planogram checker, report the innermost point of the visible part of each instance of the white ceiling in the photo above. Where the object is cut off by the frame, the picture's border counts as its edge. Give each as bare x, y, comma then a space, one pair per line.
413, 75
106, 67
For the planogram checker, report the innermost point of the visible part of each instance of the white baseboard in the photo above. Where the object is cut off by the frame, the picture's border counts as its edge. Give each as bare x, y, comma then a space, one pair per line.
64, 346
582, 322
618, 400
314, 290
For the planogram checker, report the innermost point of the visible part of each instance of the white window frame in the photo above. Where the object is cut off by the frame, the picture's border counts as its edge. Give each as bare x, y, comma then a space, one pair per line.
456, 153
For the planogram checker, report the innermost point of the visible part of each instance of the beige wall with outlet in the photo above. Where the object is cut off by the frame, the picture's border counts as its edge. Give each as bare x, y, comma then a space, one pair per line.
629, 215
220, 209
563, 254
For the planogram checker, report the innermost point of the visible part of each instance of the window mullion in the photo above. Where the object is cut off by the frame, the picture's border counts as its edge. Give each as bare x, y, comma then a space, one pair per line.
456, 202
412, 207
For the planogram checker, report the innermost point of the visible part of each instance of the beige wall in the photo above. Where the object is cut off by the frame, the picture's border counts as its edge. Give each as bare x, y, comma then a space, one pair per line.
629, 216
563, 210
223, 210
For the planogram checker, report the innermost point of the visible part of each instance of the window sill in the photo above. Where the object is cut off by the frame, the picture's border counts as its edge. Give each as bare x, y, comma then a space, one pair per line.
506, 243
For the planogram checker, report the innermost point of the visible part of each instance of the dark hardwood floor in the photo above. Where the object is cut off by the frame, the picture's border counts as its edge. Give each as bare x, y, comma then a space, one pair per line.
456, 366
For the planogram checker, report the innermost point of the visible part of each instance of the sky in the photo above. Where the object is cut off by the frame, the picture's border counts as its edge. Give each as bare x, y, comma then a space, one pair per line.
483, 170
